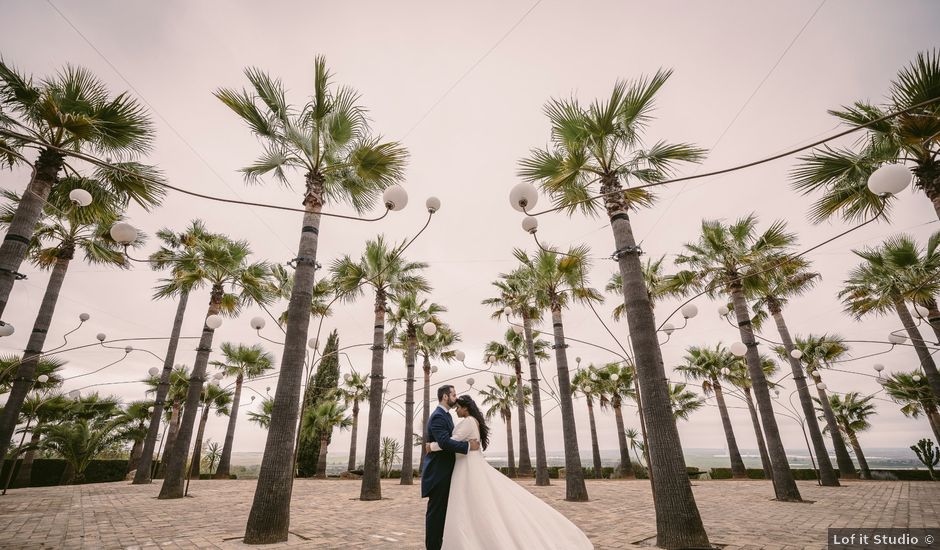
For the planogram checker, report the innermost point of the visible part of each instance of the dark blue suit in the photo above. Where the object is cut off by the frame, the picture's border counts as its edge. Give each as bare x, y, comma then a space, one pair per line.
436, 472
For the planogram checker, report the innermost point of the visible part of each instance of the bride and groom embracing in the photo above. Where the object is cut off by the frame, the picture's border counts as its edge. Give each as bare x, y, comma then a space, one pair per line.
471, 505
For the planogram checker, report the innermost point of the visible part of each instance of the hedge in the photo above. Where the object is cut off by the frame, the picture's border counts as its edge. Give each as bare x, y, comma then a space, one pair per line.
806, 474
48, 471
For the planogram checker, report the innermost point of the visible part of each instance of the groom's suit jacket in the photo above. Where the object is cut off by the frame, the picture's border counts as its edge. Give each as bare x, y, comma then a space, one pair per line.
439, 466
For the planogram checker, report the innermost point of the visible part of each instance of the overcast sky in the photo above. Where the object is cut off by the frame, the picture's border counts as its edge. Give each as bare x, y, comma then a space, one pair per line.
462, 86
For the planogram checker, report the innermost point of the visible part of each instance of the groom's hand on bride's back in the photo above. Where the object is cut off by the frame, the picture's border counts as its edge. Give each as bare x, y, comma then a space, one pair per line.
474, 445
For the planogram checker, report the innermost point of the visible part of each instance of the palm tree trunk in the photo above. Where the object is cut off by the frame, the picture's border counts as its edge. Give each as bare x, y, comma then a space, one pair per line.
859, 455
425, 412
595, 448
525, 463
25, 475
933, 418
678, 522
541, 461
174, 477
153, 430
195, 465
321, 458
355, 434
827, 474
625, 468
933, 316
21, 228
26, 372
269, 519
575, 490
785, 487
761, 444
134, 459
173, 427
846, 468
738, 470
511, 459
371, 474
407, 460
917, 339
222, 472
68, 475
639, 404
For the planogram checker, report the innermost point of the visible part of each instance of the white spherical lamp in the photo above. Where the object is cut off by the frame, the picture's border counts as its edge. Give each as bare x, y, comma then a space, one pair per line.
214, 321
83, 317
258, 323
878, 367
796, 354
75, 394
890, 179
395, 198
218, 376
530, 224
723, 310
725, 371
123, 233
149, 410
821, 385
433, 369
614, 377
689, 311
252, 398
470, 381
816, 374
459, 355
896, 338
669, 328
507, 311
777, 393
101, 336
517, 329
313, 343
128, 349
523, 196
42, 378
433, 204
916, 378
738, 349
153, 371
429, 328
80, 197
921, 311
6, 329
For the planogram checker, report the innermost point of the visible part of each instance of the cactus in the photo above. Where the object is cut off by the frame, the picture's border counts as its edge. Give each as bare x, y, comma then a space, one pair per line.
927, 454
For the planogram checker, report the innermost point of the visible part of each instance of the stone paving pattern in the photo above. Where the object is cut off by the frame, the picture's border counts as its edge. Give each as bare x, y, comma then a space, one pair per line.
325, 514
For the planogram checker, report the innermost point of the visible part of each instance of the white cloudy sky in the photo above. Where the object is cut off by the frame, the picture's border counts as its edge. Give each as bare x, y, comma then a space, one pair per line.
462, 87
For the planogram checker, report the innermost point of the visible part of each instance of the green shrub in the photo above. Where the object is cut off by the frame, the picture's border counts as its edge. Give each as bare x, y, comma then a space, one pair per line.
48, 472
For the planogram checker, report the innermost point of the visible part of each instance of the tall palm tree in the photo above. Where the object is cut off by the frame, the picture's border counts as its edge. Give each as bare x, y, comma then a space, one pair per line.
888, 274
355, 389
175, 254
636, 444
515, 298
582, 384
719, 263
603, 143
284, 285
382, 267
71, 111
60, 231
46, 366
44, 408
773, 291
500, 398
708, 366
841, 175
436, 346
914, 396
614, 383
330, 142
213, 397
408, 314
684, 401
510, 352
819, 351
852, 412
558, 280
137, 414
263, 417
740, 378
93, 428
244, 363
176, 395
322, 419
234, 283
213, 454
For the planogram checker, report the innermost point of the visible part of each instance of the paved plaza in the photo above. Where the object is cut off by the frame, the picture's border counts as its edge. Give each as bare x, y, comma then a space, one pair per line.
326, 514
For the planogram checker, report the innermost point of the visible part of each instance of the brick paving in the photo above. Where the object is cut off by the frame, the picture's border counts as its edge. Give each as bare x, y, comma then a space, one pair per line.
326, 514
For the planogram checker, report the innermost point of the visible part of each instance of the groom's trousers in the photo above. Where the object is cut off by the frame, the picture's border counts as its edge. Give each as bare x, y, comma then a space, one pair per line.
437, 513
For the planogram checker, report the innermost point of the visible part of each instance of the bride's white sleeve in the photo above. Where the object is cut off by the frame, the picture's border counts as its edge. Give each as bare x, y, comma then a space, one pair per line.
464, 431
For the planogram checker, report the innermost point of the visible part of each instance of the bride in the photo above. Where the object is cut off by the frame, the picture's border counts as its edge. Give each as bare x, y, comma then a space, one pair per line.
488, 510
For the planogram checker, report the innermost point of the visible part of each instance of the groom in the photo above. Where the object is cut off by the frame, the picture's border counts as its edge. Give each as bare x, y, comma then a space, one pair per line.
439, 466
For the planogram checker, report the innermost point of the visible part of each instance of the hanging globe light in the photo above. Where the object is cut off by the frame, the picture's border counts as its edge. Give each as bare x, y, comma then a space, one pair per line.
614, 377
433, 204
821, 385
313, 343
460, 356
739, 349
470, 381
6, 329
429, 328
878, 367
100, 336
80, 197
796, 354
916, 378
433, 369
669, 328
723, 310
897, 338
128, 349
530, 224
689, 311
214, 321
395, 198
123, 233
725, 371
523, 196
153, 371
257, 323
83, 317
517, 329
890, 179
42, 378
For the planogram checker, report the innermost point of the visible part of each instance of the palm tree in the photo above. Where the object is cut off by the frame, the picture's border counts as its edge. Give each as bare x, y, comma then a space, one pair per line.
174, 254
436, 346
740, 378
614, 385
60, 231
46, 366
818, 352
382, 268
243, 362
176, 395
44, 409
557, 280
137, 414
773, 290
842, 174
215, 397
911, 391
213, 454
719, 264
515, 297
511, 352
636, 444
355, 390
263, 418
222, 264
657, 285
94, 427
710, 366
500, 398
852, 412
330, 142
582, 384
603, 143
284, 285
69, 112
408, 314
321, 420
889, 273
390, 450
684, 401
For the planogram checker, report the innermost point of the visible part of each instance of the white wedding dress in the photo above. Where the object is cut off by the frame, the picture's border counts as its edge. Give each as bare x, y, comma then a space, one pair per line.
486, 510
